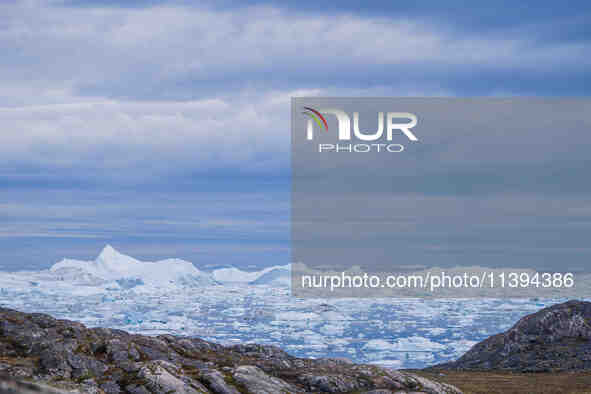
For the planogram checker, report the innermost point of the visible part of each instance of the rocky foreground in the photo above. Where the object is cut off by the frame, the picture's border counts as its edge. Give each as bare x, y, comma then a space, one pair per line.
554, 339
67, 355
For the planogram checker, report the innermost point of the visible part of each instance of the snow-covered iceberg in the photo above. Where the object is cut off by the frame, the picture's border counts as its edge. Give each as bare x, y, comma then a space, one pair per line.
233, 275
280, 276
112, 265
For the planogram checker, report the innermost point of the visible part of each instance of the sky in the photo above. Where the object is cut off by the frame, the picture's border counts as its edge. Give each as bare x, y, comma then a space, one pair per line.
162, 127
491, 182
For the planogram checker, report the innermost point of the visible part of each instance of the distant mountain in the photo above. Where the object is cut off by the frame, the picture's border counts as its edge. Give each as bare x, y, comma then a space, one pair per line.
112, 265
557, 338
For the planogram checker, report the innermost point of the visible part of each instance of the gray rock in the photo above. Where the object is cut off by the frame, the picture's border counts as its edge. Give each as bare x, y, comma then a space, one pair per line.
10, 385
215, 381
257, 382
379, 391
110, 387
137, 389
164, 377
332, 383
557, 338
102, 360
55, 364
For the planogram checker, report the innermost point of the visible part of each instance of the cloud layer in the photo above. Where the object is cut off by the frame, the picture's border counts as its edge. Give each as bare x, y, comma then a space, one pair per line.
175, 87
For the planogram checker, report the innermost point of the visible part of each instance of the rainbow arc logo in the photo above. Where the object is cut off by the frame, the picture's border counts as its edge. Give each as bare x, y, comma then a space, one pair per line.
317, 117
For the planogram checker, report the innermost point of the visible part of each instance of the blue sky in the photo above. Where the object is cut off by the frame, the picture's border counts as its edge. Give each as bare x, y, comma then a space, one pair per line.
162, 127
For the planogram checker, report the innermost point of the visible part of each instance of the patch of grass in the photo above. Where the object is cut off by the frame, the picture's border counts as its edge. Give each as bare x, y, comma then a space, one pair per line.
20, 361
238, 386
503, 382
14, 319
84, 377
131, 378
83, 348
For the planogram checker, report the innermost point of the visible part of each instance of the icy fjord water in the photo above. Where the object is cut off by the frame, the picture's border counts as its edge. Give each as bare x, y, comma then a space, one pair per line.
403, 333
398, 333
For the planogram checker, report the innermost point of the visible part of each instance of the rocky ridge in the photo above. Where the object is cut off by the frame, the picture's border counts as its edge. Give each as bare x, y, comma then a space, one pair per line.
68, 355
557, 338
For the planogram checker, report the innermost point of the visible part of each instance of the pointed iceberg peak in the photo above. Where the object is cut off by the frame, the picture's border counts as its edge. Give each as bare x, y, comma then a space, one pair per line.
113, 265
111, 259
108, 252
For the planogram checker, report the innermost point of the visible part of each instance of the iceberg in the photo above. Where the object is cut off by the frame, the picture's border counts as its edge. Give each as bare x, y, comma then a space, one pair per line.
275, 277
235, 275
112, 265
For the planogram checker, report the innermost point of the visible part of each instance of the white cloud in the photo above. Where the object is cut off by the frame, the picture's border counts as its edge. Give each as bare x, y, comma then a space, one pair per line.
72, 77
110, 134
58, 48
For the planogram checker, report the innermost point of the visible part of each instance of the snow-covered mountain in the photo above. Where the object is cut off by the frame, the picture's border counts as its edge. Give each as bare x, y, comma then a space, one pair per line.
112, 265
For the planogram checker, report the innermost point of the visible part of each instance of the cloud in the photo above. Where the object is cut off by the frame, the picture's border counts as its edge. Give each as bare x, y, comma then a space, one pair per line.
106, 135
174, 88
100, 45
